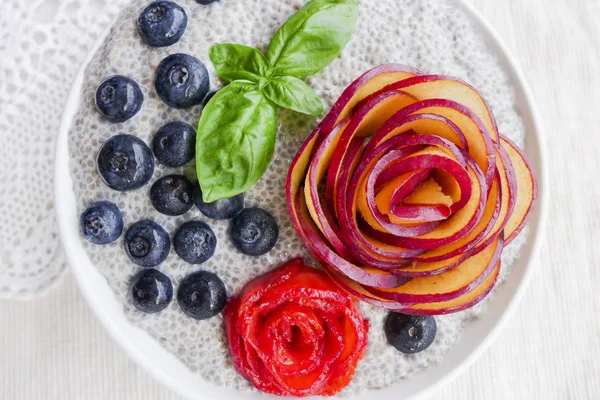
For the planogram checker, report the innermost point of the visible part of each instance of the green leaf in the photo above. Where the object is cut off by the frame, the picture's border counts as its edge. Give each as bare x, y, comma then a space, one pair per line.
236, 61
235, 142
293, 93
312, 38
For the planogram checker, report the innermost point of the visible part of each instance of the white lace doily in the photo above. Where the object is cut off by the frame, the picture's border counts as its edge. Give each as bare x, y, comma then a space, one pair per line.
42, 46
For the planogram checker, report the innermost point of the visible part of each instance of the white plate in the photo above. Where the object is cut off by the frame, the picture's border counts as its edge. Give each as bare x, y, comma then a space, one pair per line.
476, 337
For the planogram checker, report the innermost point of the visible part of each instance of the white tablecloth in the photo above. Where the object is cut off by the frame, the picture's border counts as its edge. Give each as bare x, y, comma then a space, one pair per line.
54, 348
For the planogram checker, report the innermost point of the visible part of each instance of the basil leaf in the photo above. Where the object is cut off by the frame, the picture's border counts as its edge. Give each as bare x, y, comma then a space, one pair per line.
236, 61
313, 37
293, 93
235, 142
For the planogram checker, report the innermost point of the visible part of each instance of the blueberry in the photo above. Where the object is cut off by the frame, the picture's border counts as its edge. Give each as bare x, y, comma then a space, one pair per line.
119, 98
195, 242
102, 223
147, 243
206, 2
125, 163
172, 195
410, 334
254, 231
162, 23
181, 81
220, 209
209, 97
151, 291
174, 144
202, 295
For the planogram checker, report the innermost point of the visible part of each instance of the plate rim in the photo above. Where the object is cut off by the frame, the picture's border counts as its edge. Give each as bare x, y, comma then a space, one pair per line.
130, 341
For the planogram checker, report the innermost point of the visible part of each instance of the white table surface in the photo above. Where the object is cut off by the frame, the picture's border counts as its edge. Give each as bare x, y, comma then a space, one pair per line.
54, 348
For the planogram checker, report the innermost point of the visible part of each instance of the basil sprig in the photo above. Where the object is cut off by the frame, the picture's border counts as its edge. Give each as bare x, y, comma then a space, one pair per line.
238, 127
311, 39
239, 62
293, 93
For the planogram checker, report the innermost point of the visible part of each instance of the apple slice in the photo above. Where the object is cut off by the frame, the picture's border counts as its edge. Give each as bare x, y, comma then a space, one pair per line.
526, 190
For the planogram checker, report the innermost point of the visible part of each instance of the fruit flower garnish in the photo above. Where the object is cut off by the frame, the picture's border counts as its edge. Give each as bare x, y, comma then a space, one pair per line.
293, 332
407, 192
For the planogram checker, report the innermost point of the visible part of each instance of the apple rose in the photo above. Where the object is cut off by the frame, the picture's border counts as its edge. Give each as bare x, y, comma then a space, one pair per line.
408, 194
294, 332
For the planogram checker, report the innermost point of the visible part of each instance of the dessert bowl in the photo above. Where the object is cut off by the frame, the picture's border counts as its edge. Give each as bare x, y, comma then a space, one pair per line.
169, 370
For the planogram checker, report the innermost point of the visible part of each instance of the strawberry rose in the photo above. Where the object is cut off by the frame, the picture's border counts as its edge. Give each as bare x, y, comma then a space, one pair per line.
294, 332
